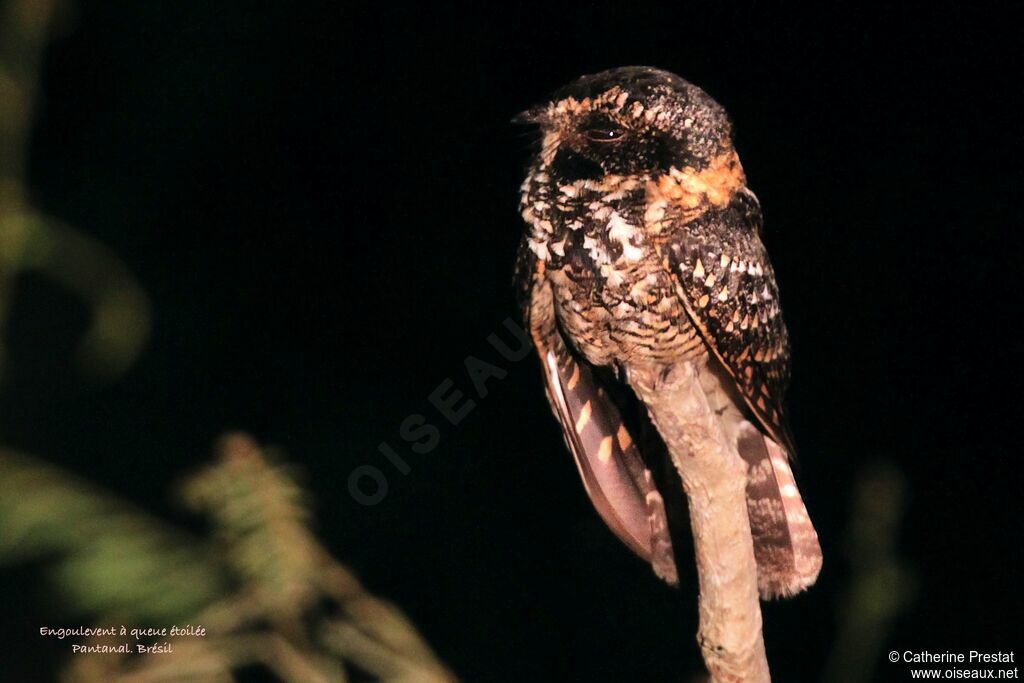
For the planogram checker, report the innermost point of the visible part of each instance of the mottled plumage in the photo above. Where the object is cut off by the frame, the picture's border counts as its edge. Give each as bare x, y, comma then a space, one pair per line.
643, 248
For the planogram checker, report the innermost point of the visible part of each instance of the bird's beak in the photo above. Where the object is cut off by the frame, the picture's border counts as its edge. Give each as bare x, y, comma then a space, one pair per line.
533, 116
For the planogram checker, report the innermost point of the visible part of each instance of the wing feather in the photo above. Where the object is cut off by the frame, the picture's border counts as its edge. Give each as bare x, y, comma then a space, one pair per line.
616, 479
727, 284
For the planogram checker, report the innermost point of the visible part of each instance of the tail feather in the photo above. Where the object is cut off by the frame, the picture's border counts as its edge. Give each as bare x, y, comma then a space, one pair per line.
785, 543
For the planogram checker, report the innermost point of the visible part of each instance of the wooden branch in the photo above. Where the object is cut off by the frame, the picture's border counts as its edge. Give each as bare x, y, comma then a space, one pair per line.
714, 477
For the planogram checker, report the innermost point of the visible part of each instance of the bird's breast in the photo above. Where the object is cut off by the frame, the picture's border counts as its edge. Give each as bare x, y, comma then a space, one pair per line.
614, 298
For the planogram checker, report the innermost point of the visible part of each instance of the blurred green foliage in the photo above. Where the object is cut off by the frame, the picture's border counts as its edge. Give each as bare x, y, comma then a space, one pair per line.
31, 240
882, 586
263, 587
105, 556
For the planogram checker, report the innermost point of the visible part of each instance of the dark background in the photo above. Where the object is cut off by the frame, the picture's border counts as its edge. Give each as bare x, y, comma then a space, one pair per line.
321, 202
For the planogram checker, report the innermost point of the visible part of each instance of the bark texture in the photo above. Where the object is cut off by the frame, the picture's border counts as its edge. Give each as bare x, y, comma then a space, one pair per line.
715, 479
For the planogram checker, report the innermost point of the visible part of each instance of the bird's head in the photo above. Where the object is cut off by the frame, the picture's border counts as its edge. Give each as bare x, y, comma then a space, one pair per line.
632, 121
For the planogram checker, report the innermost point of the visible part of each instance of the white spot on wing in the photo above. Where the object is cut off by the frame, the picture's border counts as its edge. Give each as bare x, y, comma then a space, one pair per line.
539, 248
622, 232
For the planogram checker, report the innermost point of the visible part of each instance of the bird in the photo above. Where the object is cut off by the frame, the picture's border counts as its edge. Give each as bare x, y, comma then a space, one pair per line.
643, 248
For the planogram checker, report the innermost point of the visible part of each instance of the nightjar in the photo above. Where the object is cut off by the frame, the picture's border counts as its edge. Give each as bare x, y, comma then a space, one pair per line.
643, 248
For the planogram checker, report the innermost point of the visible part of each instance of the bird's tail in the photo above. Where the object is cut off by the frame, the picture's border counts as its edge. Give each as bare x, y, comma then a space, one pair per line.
785, 543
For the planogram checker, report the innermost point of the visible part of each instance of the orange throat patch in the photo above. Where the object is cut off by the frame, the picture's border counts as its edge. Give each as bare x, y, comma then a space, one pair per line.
713, 186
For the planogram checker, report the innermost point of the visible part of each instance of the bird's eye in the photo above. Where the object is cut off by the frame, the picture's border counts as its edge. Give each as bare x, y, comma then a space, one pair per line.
604, 131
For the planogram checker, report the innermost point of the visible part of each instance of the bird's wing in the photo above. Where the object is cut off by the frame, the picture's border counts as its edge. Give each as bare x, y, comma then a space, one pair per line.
614, 474
728, 287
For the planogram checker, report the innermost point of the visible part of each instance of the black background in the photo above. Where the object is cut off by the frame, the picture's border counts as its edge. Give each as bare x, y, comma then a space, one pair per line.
321, 202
